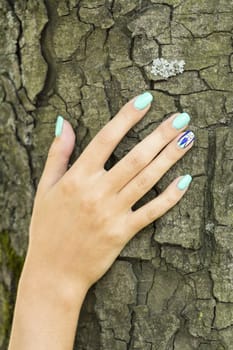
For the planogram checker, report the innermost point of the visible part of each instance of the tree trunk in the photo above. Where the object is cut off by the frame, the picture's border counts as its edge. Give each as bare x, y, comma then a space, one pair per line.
172, 285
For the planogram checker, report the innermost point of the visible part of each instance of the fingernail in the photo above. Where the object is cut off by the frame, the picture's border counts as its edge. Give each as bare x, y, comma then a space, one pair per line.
181, 120
184, 182
143, 100
59, 124
186, 139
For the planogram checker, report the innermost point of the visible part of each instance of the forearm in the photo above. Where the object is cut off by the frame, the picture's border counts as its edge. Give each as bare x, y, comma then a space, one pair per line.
46, 313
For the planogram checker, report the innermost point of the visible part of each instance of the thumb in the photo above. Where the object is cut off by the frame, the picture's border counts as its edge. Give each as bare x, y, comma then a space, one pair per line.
58, 155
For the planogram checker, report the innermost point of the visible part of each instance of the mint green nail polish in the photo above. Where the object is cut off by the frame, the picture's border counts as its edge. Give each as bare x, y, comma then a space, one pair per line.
59, 124
143, 100
181, 120
184, 182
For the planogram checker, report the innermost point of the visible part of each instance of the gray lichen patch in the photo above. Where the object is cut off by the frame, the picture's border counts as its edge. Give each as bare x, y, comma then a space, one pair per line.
166, 69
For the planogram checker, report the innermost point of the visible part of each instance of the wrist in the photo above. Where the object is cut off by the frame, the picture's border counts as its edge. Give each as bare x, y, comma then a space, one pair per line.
37, 279
46, 311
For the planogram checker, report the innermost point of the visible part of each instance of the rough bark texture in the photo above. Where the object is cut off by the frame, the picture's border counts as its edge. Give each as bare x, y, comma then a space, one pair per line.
172, 286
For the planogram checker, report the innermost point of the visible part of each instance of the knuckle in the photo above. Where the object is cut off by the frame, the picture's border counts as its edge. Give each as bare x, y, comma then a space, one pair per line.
115, 238
88, 204
124, 113
170, 199
136, 160
142, 182
101, 220
164, 134
52, 152
171, 154
106, 136
150, 214
91, 203
69, 185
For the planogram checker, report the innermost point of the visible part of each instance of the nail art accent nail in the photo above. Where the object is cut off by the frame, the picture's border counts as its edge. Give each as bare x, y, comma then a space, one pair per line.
181, 120
186, 139
143, 100
59, 124
184, 182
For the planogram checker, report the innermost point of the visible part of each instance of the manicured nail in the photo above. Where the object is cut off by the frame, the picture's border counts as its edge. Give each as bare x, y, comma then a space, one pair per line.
59, 124
184, 182
181, 120
143, 100
186, 139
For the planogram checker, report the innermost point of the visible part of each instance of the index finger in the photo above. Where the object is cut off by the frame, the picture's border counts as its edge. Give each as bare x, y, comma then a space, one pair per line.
102, 145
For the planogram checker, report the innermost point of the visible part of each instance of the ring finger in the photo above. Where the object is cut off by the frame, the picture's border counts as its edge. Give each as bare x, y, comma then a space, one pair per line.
151, 174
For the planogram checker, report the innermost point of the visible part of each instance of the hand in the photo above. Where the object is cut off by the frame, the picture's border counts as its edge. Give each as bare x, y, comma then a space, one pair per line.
82, 217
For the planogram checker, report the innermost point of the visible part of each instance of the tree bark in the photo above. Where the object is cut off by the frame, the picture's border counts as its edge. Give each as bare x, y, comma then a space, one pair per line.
171, 288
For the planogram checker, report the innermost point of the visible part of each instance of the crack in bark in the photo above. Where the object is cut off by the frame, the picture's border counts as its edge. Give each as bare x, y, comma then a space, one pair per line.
48, 55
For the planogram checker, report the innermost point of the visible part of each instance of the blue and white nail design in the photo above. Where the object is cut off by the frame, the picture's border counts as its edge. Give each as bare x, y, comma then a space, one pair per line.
186, 139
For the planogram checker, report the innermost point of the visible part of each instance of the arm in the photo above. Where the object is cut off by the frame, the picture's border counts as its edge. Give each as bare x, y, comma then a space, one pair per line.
82, 219
46, 311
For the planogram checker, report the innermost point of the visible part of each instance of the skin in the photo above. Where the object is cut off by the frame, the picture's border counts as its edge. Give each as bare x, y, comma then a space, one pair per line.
82, 219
